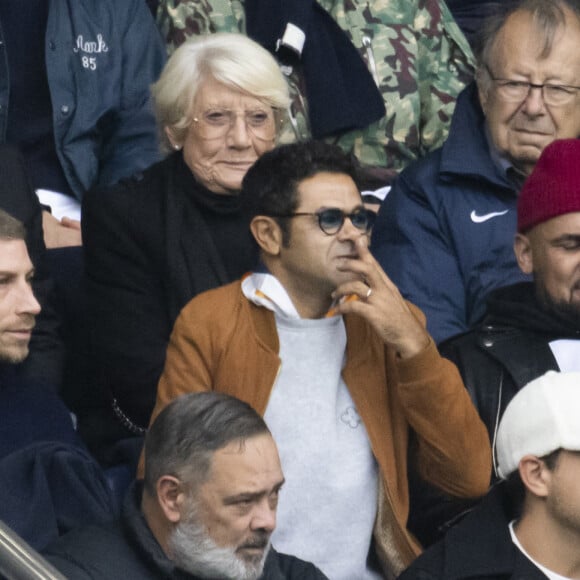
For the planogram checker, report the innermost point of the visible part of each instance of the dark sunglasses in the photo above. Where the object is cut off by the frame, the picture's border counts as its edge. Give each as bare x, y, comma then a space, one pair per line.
332, 219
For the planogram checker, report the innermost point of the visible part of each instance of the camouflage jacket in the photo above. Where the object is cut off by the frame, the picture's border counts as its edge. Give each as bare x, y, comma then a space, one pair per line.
414, 50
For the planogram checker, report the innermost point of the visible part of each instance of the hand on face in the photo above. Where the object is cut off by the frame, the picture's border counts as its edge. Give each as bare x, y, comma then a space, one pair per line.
380, 303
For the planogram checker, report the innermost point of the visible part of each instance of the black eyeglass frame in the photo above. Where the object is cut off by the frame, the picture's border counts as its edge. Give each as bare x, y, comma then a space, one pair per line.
370, 216
570, 90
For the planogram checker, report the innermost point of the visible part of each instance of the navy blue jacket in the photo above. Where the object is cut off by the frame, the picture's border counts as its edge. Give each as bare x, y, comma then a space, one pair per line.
101, 58
444, 234
48, 482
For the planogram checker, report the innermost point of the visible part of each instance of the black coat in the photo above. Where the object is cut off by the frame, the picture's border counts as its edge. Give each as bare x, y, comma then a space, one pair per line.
148, 251
508, 350
478, 548
127, 550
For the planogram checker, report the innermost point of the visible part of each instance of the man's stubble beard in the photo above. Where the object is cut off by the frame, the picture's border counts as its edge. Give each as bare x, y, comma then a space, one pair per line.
8, 357
567, 312
12, 359
7, 354
195, 552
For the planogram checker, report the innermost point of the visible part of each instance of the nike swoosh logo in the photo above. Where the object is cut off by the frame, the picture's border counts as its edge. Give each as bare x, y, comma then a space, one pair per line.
479, 219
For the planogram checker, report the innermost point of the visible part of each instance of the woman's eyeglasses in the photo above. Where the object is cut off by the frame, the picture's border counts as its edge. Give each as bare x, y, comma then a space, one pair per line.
216, 123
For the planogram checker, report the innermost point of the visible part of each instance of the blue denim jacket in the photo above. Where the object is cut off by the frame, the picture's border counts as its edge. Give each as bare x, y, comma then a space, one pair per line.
101, 58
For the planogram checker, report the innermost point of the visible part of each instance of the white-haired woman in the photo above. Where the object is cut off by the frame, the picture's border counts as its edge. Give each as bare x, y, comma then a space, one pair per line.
155, 241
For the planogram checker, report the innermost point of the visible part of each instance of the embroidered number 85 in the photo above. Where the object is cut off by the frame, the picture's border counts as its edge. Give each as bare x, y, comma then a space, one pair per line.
89, 62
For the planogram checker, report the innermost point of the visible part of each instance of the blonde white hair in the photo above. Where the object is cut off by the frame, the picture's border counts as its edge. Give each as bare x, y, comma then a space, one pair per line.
233, 60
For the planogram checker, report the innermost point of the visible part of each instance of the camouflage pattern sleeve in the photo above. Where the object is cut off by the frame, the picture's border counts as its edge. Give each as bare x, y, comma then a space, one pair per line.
420, 60
179, 19
445, 64
415, 51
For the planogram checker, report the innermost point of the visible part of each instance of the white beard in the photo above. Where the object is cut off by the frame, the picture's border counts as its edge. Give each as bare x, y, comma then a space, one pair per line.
195, 552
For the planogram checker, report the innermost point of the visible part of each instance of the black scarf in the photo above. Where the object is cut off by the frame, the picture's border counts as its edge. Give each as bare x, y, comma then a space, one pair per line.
517, 306
194, 262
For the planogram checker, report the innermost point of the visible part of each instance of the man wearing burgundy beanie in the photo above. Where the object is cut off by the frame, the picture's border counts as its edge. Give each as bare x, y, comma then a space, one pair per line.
531, 327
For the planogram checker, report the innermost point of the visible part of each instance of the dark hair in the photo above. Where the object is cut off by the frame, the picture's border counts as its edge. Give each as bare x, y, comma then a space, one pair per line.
515, 487
548, 16
190, 429
11, 228
270, 187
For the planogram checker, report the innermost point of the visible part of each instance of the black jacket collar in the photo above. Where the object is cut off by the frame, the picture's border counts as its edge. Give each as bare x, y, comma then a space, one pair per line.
481, 545
465, 153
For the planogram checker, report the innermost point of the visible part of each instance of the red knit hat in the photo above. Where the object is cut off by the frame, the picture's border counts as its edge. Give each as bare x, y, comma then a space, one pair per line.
553, 188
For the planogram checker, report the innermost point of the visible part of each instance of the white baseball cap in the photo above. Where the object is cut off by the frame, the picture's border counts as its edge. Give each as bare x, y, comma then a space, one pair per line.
542, 417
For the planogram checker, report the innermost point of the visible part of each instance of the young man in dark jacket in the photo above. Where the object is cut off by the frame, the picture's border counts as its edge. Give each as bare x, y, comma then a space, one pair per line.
206, 508
528, 527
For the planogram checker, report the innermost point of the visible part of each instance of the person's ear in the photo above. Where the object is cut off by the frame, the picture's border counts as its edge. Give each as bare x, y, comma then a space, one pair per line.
267, 233
535, 475
524, 254
170, 496
175, 143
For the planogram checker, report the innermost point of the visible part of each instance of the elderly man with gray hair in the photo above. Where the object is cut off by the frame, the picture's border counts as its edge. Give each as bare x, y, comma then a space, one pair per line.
206, 508
529, 524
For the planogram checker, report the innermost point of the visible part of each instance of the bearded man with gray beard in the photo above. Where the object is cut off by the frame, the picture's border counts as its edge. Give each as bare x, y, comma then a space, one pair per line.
205, 510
